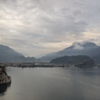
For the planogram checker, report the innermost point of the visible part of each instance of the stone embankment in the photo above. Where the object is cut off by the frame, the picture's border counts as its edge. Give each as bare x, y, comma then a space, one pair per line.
4, 78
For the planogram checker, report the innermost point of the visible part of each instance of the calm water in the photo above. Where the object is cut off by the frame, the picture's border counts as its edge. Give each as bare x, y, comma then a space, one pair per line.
52, 84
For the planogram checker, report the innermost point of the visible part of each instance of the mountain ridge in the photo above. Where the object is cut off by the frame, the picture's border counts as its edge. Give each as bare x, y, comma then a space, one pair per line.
7, 54
90, 49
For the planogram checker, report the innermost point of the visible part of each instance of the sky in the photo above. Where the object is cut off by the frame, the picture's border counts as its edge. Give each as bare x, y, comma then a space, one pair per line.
36, 27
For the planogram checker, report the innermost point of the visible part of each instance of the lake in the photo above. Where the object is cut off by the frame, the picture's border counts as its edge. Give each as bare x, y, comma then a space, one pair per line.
52, 84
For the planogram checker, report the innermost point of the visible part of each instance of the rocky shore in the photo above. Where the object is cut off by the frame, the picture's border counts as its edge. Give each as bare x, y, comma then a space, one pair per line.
4, 78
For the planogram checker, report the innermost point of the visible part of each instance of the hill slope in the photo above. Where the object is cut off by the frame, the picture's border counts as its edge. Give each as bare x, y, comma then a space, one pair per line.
7, 55
90, 49
79, 61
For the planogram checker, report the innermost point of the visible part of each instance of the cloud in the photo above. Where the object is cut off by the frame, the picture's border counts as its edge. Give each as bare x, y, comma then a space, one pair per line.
78, 47
45, 26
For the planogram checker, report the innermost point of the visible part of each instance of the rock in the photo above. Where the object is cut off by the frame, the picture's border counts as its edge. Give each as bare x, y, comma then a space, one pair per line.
4, 87
4, 78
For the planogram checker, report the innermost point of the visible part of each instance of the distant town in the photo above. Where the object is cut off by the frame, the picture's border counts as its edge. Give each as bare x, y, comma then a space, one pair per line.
36, 64
31, 64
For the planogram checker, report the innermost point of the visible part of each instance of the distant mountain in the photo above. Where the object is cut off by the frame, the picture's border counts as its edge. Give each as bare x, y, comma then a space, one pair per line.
30, 59
78, 61
90, 49
8, 55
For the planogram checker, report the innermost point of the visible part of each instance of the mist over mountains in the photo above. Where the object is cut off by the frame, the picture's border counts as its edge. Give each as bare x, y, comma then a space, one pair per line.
90, 49
9, 55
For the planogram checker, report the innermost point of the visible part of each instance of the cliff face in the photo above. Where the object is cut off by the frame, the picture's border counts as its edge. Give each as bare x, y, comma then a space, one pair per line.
4, 78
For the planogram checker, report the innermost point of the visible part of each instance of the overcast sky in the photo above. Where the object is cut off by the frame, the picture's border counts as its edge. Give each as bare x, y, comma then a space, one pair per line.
35, 27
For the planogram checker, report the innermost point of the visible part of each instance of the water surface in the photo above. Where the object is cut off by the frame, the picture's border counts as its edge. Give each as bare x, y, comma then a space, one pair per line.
52, 84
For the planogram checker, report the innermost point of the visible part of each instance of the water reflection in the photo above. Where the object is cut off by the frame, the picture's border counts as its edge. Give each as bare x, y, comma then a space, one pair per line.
4, 87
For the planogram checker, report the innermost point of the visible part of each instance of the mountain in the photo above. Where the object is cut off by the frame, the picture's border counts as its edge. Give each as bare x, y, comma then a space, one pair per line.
90, 49
78, 61
30, 59
8, 55
96, 58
